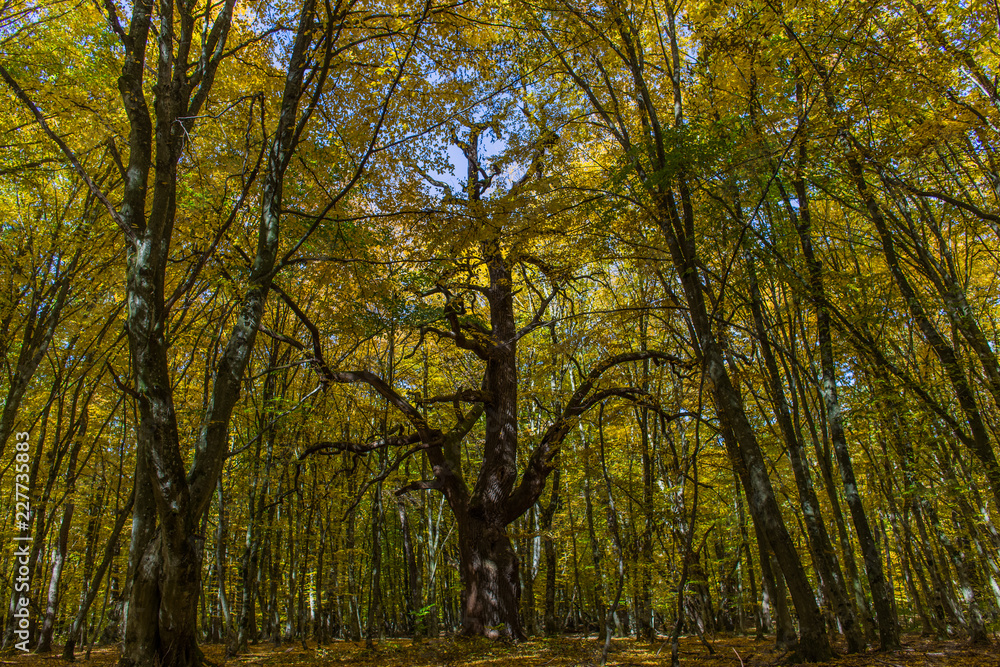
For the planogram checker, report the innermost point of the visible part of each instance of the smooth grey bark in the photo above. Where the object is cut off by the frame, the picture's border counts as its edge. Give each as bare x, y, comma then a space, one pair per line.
615, 531
372, 625
37, 525
257, 499
414, 584
775, 591
759, 619
821, 447
595, 547
645, 628
973, 620
977, 440
221, 541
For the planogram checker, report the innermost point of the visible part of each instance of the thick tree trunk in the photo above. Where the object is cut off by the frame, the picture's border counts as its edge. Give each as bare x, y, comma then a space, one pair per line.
492, 589
180, 586
172, 495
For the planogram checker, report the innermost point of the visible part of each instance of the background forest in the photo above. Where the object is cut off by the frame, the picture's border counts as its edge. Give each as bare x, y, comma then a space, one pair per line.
366, 318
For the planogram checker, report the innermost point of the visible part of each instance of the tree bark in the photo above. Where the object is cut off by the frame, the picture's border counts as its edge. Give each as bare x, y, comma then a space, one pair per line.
492, 590
62, 541
94, 586
414, 592
170, 499
884, 615
551, 621
824, 556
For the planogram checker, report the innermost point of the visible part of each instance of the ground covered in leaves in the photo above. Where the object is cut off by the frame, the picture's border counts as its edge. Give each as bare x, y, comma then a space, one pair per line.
560, 652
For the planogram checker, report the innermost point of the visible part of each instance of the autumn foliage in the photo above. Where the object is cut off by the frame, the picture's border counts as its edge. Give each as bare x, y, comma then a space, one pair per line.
329, 324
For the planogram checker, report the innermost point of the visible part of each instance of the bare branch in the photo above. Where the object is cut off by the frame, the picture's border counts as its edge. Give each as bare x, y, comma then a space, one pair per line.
420, 485
356, 448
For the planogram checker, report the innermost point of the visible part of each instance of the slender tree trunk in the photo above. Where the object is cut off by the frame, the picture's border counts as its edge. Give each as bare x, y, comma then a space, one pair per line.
414, 602
551, 621
774, 589
39, 328
595, 548
221, 540
979, 442
62, 542
372, 625
887, 624
645, 628
94, 586
759, 620
33, 529
353, 607
824, 556
974, 618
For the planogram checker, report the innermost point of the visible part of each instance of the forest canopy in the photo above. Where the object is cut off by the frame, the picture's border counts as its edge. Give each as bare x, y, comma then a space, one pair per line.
353, 319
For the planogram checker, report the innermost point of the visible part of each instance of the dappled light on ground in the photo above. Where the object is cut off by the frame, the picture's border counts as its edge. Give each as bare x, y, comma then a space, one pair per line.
564, 651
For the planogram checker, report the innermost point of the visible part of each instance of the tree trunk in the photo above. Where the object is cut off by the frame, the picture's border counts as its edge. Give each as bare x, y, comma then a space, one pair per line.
645, 628
373, 627
58, 561
172, 495
774, 590
36, 522
548, 547
852, 576
491, 587
221, 539
887, 625
94, 585
414, 595
62, 541
44, 313
595, 548
979, 442
824, 556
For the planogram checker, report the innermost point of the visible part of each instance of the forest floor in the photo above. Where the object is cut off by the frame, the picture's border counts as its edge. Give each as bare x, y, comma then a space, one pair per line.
559, 652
